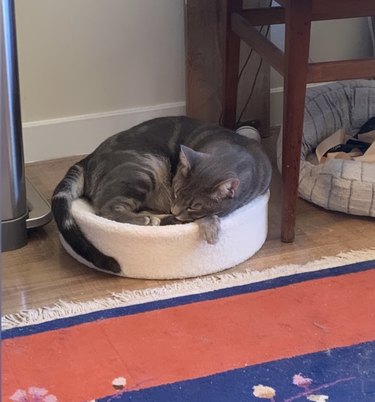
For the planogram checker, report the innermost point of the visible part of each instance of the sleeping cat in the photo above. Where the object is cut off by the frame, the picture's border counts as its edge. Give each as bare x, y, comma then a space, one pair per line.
164, 171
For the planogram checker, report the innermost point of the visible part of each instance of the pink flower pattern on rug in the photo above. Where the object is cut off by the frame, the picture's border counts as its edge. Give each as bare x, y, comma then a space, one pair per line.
267, 392
33, 394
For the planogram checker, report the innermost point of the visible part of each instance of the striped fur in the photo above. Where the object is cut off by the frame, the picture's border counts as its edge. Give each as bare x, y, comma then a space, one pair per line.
70, 188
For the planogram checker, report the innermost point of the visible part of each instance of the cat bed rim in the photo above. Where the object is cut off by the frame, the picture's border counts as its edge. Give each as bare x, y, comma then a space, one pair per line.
165, 230
174, 251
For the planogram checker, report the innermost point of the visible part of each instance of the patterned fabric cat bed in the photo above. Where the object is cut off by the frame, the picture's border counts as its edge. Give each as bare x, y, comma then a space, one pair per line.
340, 185
175, 251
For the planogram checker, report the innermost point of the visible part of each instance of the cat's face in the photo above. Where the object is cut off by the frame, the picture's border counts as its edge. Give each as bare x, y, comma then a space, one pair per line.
201, 187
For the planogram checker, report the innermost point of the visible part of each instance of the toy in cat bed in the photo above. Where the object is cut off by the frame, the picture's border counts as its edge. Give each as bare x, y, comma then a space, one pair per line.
175, 251
340, 185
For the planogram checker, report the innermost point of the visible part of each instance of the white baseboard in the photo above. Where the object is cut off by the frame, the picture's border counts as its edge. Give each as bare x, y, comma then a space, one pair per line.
79, 135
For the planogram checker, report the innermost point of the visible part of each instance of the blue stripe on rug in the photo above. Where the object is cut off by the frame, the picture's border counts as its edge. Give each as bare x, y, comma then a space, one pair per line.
181, 300
343, 374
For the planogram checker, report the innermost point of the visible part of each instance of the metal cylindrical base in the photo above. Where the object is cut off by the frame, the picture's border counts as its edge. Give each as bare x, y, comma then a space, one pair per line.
13, 233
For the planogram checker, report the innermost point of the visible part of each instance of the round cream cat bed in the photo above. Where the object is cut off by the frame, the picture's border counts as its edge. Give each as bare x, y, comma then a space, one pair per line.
340, 185
175, 251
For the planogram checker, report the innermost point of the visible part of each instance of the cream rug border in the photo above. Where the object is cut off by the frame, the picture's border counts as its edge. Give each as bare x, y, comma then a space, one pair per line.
63, 309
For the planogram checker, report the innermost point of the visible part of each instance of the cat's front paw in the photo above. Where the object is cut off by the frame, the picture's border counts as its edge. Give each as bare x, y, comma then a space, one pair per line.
209, 229
151, 221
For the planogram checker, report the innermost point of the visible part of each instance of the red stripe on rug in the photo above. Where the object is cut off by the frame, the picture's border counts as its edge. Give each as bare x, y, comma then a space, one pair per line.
194, 340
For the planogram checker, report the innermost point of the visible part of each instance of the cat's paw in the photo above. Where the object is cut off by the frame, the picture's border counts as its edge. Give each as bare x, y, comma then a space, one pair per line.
211, 235
155, 221
151, 221
209, 229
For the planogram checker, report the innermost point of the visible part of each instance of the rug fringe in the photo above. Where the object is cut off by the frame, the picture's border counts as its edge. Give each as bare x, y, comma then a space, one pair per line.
63, 309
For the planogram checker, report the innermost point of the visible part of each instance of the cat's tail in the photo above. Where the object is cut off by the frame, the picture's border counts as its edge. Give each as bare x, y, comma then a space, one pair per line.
70, 188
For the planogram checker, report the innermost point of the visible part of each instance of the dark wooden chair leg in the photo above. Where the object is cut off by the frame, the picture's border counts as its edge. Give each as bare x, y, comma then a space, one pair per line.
231, 68
297, 41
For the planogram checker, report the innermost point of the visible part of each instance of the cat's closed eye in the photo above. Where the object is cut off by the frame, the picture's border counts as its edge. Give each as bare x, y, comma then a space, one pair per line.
195, 207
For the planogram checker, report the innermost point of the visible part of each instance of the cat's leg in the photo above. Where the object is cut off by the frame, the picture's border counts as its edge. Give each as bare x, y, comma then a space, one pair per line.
209, 228
125, 210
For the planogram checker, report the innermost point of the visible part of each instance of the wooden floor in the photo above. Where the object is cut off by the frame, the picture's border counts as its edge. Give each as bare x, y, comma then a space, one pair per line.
41, 273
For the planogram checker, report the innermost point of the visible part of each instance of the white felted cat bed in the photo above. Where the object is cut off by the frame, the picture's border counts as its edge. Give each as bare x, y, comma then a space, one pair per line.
175, 251
340, 185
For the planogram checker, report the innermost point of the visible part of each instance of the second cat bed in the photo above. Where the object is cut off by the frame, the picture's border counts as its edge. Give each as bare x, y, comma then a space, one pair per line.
176, 251
340, 185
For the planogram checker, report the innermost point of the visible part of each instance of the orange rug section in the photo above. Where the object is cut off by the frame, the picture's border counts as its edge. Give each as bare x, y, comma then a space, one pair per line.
193, 340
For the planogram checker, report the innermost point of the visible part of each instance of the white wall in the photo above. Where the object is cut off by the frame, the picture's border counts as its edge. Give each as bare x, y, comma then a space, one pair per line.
87, 56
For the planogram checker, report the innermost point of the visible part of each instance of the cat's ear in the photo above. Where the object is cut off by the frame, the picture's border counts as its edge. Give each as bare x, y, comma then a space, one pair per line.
184, 158
226, 189
188, 157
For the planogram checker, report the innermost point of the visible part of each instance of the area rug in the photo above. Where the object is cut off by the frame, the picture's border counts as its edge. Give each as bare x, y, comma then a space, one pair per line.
294, 333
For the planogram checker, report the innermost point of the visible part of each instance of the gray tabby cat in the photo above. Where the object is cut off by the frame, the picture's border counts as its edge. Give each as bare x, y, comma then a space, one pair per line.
164, 171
